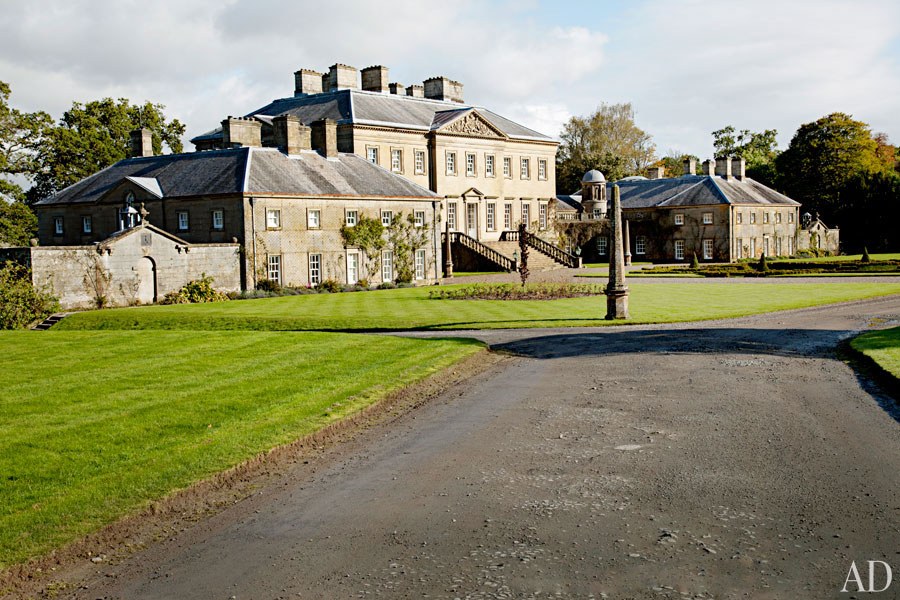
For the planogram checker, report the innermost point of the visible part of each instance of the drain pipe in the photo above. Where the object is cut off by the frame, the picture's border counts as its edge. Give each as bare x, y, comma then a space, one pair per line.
434, 237
253, 237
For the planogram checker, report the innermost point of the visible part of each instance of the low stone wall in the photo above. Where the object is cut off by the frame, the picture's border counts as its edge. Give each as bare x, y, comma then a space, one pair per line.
138, 268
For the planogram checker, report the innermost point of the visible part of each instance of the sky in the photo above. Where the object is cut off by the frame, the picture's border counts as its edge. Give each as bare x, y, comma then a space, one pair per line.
687, 67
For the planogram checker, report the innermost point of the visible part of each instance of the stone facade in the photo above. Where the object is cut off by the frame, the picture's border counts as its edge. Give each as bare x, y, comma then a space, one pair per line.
816, 236
718, 218
481, 165
138, 266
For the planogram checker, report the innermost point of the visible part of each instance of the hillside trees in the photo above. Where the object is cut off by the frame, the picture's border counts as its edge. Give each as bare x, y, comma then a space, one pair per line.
20, 136
91, 136
835, 166
607, 140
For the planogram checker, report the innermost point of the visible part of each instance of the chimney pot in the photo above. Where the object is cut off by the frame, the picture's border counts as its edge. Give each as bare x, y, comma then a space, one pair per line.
324, 137
141, 142
690, 166
709, 168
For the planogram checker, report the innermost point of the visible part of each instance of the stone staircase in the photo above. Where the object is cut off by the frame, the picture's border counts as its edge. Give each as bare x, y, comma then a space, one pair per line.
50, 321
537, 261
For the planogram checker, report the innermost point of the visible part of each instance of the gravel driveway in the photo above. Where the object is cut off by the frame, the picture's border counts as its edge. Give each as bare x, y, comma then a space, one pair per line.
730, 459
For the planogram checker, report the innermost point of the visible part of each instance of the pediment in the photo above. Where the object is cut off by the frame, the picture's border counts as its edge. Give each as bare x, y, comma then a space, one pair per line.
471, 123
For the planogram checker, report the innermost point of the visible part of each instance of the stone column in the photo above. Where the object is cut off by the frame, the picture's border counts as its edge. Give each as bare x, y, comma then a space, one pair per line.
627, 246
448, 264
616, 290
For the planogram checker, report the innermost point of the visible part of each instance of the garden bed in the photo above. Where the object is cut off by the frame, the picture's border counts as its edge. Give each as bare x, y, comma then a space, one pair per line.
512, 291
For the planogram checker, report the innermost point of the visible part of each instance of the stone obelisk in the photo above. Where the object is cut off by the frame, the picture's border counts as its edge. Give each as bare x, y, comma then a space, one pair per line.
616, 290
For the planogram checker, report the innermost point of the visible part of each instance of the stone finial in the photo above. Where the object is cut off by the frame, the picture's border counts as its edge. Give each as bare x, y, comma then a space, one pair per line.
144, 214
616, 290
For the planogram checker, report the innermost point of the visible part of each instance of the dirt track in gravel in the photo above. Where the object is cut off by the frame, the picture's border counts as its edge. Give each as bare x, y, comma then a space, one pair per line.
729, 459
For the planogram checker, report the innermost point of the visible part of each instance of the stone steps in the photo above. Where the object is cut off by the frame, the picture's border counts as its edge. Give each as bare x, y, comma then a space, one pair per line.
537, 261
50, 321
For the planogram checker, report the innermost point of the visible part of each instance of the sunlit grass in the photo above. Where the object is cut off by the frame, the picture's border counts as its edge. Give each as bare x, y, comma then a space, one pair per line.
94, 425
410, 308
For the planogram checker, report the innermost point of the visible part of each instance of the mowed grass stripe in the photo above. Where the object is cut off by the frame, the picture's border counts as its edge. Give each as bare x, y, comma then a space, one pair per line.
412, 309
100, 423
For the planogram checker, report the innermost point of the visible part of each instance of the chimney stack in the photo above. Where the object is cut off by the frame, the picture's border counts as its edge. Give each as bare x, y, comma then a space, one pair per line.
241, 131
397, 89
340, 77
307, 82
415, 91
690, 166
441, 88
738, 167
709, 168
723, 167
324, 137
291, 135
141, 143
375, 79
656, 172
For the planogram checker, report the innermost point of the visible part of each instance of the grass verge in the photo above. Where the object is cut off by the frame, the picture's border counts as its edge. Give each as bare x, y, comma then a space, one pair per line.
95, 425
882, 347
410, 308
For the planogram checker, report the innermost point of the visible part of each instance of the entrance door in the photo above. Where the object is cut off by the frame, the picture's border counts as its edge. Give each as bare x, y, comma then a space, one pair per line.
145, 272
472, 220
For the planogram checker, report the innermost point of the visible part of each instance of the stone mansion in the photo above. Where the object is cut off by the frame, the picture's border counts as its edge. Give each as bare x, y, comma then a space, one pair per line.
265, 196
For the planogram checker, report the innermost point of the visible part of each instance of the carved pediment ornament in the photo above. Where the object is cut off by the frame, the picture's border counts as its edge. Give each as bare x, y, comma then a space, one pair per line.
471, 124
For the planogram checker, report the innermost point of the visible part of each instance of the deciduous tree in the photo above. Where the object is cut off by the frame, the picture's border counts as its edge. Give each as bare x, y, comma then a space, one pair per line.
758, 149
95, 135
823, 157
607, 140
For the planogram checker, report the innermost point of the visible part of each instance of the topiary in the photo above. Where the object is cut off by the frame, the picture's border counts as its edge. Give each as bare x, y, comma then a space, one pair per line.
865, 256
695, 264
763, 265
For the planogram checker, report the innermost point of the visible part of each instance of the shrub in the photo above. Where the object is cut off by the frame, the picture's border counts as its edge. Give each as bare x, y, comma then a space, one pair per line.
20, 303
865, 256
331, 286
196, 291
695, 264
763, 265
509, 291
363, 283
268, 285
387, 285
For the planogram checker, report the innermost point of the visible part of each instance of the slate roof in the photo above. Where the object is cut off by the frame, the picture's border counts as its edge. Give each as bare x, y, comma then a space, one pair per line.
245, 170
375, 108
689, 190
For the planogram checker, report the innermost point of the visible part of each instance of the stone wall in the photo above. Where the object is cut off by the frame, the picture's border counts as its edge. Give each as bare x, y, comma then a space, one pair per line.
138, 267
295, 238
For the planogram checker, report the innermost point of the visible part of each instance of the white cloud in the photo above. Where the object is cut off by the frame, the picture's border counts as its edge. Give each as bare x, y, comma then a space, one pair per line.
688, 68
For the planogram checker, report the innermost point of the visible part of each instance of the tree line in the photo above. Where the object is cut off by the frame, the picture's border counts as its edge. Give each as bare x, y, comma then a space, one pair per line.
836, 167
39, 157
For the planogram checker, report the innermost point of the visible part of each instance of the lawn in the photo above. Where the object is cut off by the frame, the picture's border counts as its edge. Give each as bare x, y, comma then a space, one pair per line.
411, 308
94, 425
883, 347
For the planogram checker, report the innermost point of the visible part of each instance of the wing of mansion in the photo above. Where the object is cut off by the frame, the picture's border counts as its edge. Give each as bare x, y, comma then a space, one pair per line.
266, 195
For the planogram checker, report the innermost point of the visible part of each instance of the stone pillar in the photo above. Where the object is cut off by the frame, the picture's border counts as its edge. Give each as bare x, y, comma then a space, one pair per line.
448, 264
616, 290
627, 246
